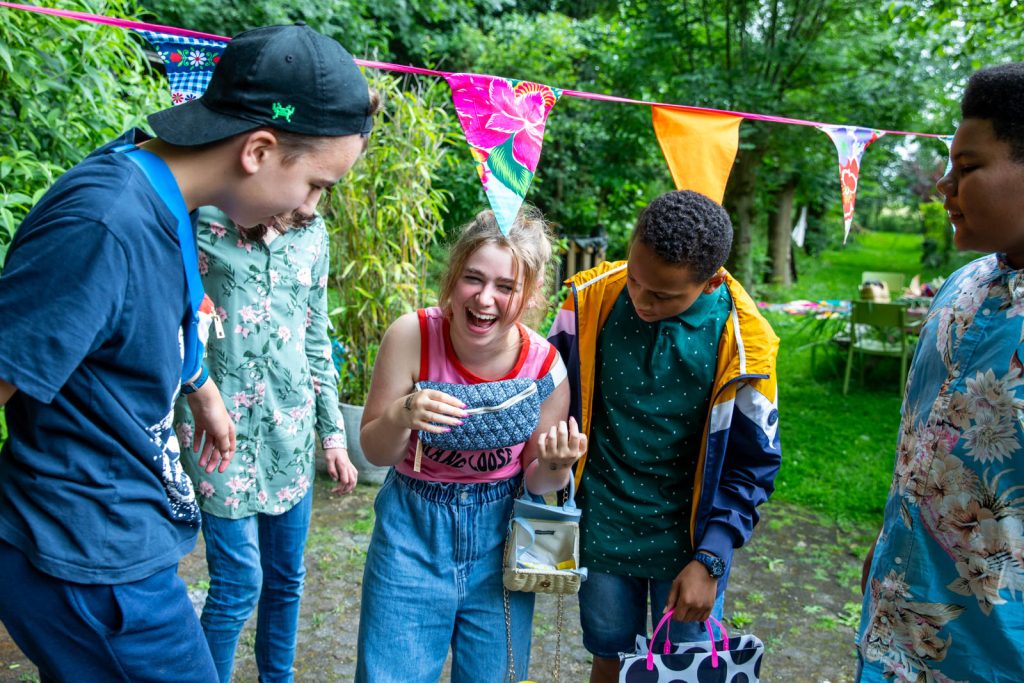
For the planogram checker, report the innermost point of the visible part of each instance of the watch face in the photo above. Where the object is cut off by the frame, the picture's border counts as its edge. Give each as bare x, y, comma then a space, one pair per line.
715, 565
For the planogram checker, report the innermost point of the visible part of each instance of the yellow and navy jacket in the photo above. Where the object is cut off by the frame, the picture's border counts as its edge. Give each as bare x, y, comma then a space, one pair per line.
740, 452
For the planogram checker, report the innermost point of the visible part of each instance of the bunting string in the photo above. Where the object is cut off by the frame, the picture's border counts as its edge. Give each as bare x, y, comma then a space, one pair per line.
402, 68
503, 119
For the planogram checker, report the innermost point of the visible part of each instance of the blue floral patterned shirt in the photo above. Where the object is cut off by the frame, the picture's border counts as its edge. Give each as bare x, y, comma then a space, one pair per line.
945, 600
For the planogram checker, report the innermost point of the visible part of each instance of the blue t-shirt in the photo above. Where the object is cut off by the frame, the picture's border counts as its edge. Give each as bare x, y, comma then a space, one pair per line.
93, 297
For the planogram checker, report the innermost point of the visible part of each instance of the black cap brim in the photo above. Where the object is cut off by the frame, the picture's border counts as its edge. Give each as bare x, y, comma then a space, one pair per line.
193, 123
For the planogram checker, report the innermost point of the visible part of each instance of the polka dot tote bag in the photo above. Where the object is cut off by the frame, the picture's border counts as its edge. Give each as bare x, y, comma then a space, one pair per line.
728, 660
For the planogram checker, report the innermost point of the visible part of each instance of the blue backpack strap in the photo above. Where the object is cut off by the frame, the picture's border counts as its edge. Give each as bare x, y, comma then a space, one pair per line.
162, 180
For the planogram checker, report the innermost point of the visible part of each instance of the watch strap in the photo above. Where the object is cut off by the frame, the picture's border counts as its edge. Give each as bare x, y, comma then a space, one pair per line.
714, 564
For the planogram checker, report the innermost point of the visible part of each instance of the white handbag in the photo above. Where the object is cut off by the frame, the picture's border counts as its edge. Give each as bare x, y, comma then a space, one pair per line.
542, 552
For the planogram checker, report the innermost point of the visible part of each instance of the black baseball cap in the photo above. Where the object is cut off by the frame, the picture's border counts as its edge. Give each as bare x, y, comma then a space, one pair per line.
287, 77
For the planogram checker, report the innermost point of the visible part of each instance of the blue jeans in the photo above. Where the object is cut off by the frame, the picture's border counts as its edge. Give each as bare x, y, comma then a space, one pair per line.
613, 612
144, 631
433, 580
256, 559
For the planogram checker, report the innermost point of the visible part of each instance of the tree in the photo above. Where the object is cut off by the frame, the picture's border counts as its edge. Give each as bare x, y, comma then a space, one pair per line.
825, 60
415, 31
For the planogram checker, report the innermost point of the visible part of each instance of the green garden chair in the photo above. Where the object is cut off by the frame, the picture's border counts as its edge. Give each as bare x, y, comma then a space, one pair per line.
878, 329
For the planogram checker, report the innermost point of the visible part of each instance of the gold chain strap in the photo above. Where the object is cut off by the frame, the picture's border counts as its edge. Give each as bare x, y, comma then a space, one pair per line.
559, 618
558, 640
504, 591
508, 635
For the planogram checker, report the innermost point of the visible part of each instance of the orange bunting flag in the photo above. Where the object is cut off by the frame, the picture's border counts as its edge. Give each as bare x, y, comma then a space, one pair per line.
700, 148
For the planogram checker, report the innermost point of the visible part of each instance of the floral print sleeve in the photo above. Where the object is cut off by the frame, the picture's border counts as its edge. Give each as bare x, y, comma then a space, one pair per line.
329, 423
271, 299
945, 600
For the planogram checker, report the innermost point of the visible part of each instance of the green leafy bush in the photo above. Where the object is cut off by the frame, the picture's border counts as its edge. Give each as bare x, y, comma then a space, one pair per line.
382, 219
897, 219
66, 87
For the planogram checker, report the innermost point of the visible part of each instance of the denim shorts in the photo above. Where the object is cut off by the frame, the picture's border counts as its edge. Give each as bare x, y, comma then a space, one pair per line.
614, 611
432, 582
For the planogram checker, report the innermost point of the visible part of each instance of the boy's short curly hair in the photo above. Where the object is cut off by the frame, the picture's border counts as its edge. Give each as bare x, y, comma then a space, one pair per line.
685, 228
997, 94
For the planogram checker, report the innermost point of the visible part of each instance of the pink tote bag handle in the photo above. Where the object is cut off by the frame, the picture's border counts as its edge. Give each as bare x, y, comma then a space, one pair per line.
668, 645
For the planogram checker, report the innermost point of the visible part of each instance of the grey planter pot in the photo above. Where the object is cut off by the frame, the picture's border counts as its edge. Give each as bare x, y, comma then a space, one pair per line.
368, 472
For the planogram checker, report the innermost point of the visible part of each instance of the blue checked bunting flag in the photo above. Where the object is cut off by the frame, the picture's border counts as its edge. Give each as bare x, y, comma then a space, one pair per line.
189, 62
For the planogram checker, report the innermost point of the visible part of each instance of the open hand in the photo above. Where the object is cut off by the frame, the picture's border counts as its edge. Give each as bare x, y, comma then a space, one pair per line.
561, 446
214, 430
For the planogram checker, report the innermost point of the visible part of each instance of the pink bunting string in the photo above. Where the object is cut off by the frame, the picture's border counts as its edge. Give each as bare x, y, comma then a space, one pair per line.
503, 119
387, 66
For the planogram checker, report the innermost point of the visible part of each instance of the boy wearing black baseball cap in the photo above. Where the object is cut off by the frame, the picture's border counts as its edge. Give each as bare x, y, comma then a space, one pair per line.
95, 511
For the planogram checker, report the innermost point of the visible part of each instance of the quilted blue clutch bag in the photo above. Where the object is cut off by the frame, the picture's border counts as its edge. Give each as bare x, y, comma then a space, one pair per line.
501, 413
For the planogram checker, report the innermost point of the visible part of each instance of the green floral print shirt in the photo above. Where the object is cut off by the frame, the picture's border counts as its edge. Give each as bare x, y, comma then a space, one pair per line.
273, 366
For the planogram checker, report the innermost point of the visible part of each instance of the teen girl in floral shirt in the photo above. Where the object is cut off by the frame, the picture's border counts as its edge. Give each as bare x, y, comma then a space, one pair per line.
273, 366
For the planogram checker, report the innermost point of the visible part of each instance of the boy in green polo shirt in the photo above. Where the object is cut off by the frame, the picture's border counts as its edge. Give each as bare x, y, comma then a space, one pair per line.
673, 381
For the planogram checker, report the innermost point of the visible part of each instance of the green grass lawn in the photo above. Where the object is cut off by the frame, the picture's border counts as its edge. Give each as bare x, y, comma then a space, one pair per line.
835, 273
838, 450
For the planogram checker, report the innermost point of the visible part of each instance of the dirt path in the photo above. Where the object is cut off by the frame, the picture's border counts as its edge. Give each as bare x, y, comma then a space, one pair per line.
795, 585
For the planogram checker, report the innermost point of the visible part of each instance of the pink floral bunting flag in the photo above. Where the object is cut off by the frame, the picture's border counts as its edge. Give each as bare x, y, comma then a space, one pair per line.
850, 142
189, 62
503, 120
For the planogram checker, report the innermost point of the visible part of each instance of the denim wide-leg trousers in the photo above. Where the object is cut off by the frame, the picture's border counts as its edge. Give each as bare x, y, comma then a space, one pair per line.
432, 581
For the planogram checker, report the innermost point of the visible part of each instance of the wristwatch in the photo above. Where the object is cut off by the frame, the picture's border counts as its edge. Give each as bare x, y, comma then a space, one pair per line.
715, 565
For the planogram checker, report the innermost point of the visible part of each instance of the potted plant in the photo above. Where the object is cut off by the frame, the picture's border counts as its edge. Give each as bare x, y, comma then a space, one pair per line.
382, 219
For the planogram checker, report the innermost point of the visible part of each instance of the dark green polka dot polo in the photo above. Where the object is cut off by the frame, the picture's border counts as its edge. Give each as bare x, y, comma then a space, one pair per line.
652, 396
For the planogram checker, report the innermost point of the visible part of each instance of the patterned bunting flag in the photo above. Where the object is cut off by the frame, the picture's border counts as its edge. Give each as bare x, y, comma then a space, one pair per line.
189, 62
700, 148
503, 120
850, 142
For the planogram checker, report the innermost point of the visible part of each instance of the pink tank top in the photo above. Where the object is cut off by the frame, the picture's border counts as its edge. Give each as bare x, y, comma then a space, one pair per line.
438, 363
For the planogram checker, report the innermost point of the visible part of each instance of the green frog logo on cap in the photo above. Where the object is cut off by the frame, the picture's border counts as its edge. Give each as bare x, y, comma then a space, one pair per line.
283, 112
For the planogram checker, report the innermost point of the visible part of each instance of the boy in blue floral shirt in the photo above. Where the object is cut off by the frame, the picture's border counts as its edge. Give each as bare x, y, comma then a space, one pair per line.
944, 583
